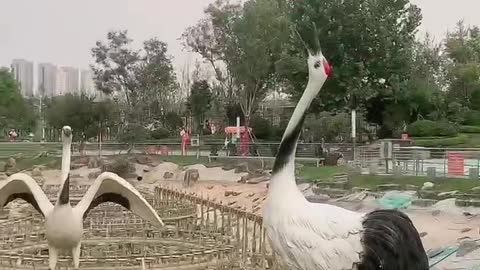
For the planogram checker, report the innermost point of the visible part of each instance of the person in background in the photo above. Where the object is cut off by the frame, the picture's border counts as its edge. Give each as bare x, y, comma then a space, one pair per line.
82, 146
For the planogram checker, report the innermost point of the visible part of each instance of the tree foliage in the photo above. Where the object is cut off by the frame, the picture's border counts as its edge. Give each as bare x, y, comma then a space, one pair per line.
144, 80
15, 111
82, 114
199, 101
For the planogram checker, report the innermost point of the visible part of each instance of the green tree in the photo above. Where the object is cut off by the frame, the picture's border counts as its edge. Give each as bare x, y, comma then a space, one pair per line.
145, 79
463, 49
199, 102
247, 40
368, 42
15, 111
82, 114
116, 66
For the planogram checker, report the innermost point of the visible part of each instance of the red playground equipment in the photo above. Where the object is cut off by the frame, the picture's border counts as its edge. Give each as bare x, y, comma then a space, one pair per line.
243, 148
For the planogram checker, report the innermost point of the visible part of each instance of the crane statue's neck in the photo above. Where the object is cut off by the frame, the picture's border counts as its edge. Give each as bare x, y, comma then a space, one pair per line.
285, 160
63, 195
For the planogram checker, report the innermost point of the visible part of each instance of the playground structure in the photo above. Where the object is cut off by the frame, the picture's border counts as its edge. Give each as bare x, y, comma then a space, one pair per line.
201, 234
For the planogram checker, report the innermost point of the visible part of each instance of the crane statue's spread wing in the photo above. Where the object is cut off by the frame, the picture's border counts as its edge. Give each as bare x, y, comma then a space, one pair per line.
23, 186
109, 187
313, 240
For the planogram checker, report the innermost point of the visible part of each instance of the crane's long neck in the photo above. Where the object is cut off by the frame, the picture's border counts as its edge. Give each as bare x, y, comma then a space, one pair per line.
64, 196
285, 159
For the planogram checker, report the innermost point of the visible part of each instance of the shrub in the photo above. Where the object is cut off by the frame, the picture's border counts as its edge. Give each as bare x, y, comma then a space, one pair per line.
472, 118
470, 129
443, 142
159, 133
427, 128
261, 127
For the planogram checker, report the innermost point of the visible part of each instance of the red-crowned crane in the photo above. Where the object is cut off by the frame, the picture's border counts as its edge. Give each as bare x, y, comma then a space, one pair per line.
64, 223
315, 236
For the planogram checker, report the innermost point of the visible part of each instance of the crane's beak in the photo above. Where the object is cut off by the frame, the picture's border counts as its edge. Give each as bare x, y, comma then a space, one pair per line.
311, 40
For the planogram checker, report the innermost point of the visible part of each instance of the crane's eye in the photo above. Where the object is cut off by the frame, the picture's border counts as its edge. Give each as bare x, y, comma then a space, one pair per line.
317, 64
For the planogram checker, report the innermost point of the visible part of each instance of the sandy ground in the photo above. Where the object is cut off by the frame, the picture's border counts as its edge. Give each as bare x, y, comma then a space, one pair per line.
442, 224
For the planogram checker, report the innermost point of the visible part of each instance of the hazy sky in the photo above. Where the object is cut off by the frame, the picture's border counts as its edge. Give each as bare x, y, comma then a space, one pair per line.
63, 31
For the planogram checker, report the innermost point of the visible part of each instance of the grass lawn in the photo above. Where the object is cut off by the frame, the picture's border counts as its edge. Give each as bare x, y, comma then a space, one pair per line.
467, 140
372, 181
441, 184
312, 173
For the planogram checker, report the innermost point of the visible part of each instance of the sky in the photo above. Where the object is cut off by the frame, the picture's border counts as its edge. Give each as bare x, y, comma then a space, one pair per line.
62, 32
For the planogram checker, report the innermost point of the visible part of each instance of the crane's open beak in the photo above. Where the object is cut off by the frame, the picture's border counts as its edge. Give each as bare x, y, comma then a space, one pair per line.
310, 40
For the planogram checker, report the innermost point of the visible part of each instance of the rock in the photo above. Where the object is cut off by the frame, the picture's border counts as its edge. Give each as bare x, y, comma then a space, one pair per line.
435, 213
232, 193
191, 177
428, 186
388, 187
448, 194
144, 160
146, 170
475, 190
241, 168
210, 187
18, 156
412, 187
36, 172
319, 198
93, 162
243, 179
424, 202
11, 164
94, 174
423, 234
76, 166
467, 246
258, 179
83, 160
341, 162
167, 175
465, 230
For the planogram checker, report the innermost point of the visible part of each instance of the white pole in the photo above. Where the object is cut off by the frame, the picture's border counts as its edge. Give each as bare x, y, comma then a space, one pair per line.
354, 125
354, 132
238, 127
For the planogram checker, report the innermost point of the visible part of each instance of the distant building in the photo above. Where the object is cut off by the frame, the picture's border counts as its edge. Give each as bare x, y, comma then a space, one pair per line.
60, 84
47, 79
87, 86
71, 80
23, 72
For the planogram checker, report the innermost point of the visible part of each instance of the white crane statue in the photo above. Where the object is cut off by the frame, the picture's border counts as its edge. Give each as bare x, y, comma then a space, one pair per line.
64, 223
316, 236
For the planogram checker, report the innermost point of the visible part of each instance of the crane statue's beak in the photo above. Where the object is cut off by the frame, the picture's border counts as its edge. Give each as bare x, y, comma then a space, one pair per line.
310, 40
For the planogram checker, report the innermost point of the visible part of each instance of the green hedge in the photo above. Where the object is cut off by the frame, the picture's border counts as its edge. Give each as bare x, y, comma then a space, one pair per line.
427, 128
470, 129
452, 141
472, 118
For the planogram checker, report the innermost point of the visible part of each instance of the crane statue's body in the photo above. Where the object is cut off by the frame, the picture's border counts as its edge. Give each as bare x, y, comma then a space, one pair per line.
64, 223
314, 236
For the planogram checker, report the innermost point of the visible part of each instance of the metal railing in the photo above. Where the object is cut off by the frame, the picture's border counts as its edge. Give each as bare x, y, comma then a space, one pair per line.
421, 161
268, 149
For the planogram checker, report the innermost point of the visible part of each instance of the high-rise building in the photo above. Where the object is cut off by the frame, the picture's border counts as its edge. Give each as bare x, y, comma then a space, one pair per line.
60, 84
23, 72
87, 86
71, 80
47, 79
